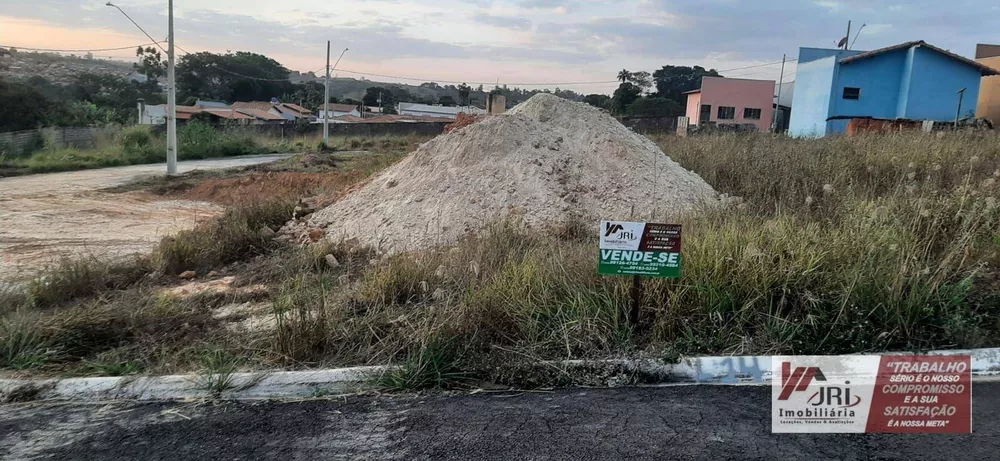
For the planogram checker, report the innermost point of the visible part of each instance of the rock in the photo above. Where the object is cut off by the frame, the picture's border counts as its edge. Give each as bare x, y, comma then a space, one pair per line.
331, 261
187, 275
213, 274
316, 235
266, 232
392, 183
302, 210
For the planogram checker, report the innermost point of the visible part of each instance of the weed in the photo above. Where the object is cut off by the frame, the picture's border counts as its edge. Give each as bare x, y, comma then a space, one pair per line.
77, 278
111, 368
432, 365
234, 236
217, 369
21, 344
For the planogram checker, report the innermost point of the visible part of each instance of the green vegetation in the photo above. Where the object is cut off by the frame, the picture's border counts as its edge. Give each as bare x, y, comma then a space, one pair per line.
138, 145
837, 245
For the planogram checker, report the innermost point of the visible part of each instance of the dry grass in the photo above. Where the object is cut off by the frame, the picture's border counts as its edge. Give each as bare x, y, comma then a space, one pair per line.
840, 245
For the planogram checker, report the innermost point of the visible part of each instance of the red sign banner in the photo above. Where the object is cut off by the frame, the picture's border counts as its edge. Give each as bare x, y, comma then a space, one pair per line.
866, 393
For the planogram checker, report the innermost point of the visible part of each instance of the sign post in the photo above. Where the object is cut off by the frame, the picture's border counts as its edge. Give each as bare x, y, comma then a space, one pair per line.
639, 249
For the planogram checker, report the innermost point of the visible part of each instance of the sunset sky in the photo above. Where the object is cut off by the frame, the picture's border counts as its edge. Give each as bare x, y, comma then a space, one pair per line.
514, 41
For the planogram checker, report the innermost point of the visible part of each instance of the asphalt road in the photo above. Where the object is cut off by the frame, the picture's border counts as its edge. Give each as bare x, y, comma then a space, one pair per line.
686, 422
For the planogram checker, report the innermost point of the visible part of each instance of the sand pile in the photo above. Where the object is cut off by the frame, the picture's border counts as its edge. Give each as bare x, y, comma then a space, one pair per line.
549, 160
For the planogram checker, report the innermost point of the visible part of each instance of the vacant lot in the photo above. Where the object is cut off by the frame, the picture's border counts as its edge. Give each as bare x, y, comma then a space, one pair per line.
837, 245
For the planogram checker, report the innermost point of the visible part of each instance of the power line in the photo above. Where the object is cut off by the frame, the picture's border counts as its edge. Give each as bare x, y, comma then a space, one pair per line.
471, 83
150, 37
755, 66
48, 50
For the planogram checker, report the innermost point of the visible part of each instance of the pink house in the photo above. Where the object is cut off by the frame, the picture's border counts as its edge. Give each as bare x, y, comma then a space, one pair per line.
732, 100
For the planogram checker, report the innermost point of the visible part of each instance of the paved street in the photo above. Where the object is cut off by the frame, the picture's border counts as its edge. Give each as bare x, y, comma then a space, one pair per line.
686, 422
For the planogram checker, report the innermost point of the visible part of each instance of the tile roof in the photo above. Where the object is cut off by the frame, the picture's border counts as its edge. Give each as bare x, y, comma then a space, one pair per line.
342, 107
261, 114
264, 106
231, 114
294, 108
985, 70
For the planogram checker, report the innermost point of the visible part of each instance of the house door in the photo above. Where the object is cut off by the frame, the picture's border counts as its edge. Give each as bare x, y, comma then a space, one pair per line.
706, 114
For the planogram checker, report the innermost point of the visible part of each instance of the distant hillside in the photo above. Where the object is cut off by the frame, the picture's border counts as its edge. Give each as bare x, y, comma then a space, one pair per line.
430, 92
62, 70
56, 68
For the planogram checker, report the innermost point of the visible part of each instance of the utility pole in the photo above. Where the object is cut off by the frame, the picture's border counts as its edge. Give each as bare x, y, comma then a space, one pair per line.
380, 101
961, 94
847, 38
777, 103
171, 95
326, 101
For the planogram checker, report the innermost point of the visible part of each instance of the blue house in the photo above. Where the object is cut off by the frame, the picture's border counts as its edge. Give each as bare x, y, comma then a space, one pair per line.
912, 80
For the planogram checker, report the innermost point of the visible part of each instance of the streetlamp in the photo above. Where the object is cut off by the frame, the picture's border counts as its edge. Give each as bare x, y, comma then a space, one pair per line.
171, 86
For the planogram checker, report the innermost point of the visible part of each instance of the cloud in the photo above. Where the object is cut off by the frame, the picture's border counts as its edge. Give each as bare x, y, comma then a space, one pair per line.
506, 22
590, 37
544, 3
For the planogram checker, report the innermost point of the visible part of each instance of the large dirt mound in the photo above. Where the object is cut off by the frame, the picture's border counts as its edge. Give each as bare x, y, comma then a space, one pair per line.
549, 160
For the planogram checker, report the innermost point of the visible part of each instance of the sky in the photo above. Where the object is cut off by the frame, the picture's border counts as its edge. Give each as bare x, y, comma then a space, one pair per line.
574, 44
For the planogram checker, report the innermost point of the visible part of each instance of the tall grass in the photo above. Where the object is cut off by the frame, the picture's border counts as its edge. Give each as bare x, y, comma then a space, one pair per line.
837, 245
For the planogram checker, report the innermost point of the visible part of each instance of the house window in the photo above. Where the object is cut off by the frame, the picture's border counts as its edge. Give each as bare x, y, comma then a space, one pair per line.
852, 93
751, 114
727, 113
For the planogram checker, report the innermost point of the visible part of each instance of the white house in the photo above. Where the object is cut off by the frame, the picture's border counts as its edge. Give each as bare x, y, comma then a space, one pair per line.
340, 110
426, 110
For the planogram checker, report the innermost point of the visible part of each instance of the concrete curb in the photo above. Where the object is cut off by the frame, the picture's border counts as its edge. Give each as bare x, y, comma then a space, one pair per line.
736, 370
236, 386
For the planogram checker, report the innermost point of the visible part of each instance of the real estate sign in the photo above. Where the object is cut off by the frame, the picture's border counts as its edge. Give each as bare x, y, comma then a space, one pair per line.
636, 248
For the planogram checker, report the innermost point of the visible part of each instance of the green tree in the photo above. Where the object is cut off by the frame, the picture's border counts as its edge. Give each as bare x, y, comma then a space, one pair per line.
673, 81
654, 107
464, 91
240, 76
113, 95
625, 95
309, 95
598, 100
372, 95
624, 76
151, 63
446, 101
23, 108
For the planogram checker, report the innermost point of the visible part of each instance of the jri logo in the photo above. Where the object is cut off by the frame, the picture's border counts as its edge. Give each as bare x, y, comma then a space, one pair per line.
615, 228
800, 379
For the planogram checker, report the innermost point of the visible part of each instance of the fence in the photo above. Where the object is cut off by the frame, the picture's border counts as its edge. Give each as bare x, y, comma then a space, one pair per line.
651, 125
20, 143
313, 130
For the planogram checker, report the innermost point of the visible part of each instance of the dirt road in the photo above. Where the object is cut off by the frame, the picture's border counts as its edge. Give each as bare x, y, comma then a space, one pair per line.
47, 217
685, 422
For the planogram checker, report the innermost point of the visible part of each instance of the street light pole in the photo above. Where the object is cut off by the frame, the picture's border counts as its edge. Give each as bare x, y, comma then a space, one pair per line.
326, 101
171, 95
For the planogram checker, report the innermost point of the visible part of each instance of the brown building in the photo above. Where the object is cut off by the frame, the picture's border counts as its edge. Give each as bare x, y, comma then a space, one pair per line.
989, 90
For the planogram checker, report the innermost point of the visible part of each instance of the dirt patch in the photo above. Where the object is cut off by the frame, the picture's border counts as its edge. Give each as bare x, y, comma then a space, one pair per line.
264, 187
73, 215
222, 285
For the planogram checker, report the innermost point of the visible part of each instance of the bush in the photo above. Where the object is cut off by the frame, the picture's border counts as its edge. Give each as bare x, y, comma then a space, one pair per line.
233, 236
